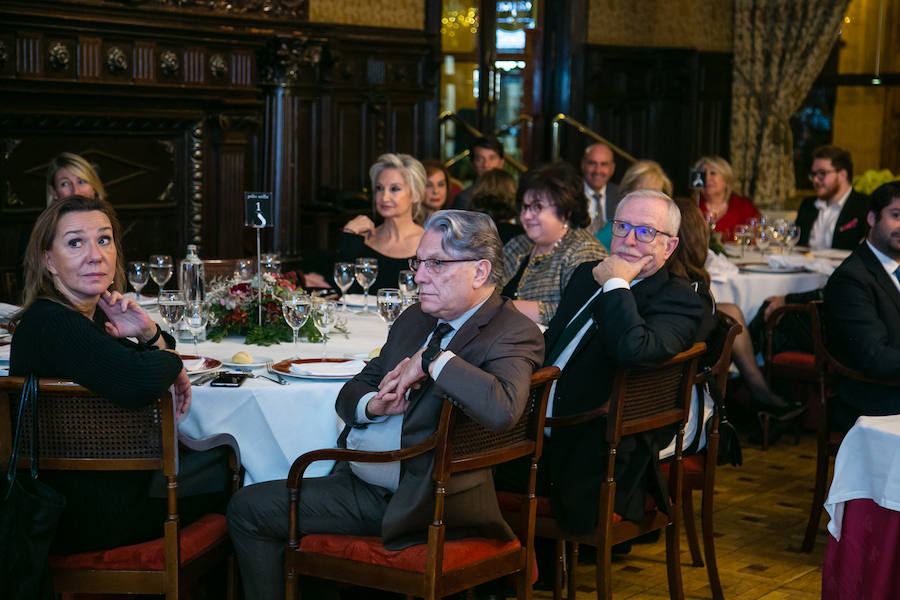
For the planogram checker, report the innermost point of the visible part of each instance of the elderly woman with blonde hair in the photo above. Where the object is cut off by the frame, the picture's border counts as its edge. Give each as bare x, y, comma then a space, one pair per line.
719, 203
399, 184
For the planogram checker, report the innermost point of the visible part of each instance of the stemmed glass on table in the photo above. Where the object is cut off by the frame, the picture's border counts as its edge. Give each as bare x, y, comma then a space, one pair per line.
763, 238
324, 315
296, 311
138, 276
161, 269
744, 236
344, 274
196, 317
390, 304
792, 236
171, 308
366, 270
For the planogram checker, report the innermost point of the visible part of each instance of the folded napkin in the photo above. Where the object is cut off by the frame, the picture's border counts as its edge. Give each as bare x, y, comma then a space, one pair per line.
329, 369
720, 268
789, 261
4, 351
8, 310
193, 364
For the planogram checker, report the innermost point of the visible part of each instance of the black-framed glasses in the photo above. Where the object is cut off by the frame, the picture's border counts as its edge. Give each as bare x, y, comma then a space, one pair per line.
813, 175
535, 207
436, 265
643, 233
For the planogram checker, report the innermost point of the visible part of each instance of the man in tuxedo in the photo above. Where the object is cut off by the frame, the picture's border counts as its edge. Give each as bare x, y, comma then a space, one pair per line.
463, 342
626, 310
836, 217
487, 154
862, 314
597, 166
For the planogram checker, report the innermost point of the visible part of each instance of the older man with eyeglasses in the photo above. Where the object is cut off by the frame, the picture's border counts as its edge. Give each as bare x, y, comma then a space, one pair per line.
625, 310
462, 341
836, 216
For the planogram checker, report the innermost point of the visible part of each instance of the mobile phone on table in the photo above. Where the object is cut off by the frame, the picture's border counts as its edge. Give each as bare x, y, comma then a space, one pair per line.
228, 380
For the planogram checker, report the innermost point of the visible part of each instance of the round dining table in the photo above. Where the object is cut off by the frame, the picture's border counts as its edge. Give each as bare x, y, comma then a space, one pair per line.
274, 424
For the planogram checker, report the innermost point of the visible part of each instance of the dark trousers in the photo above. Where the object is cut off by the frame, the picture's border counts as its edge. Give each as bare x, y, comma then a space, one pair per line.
338, 503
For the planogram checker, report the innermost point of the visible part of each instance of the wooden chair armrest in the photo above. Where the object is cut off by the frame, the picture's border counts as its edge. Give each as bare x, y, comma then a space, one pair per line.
212, 441
840, 369
781, 310
295, 476
578, 419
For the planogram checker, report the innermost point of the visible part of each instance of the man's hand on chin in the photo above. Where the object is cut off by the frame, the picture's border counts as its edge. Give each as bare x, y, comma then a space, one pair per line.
615, 266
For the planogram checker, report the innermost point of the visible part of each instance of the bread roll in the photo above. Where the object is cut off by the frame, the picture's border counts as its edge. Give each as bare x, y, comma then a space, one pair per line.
242, 358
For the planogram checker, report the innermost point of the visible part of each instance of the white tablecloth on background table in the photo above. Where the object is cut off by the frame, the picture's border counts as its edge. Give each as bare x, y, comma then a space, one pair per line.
867, 466
274, 424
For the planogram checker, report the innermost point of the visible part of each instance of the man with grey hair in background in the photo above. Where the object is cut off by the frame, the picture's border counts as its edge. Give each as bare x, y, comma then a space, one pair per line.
462, 341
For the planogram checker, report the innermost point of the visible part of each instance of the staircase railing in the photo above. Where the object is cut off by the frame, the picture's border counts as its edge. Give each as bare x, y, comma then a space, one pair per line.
451, 116
561, 118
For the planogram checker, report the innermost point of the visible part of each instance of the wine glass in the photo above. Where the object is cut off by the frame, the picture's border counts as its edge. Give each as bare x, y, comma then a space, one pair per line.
196, 316
161, 269
410, 300
792, 236
171, 308
366, 270
407, 283
344, 275
324, 315
741, 234
296, 312
390, 304
763, 239
138, 276
244, 268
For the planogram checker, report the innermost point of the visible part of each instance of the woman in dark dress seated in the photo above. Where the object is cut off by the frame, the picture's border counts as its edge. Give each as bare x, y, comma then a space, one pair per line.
399, 184
74, 325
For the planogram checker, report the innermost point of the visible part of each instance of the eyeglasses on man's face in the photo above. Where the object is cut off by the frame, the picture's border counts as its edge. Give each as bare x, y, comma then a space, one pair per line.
643, 233
436, 266
813, 175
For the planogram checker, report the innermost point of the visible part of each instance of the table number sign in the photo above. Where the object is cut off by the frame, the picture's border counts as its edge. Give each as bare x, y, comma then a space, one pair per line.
258, 214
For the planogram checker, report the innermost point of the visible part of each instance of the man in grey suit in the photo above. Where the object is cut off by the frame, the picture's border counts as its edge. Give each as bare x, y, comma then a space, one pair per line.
602, 196
463, 342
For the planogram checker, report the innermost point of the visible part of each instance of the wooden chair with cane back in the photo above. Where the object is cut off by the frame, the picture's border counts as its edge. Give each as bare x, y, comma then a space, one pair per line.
700, 467
438, 567
828, 438
642, 399
81, 431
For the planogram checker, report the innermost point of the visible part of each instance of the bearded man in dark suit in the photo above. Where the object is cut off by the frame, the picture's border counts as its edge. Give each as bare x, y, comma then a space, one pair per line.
836, 216
626, 310
463, 342
862, 314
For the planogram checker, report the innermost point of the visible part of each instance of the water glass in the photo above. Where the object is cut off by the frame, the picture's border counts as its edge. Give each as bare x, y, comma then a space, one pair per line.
743, 236
344, 275
161, 269
271, 263
410, 300
763, 239
171, 308
296, 311
390, 304
196, 317
324, 315
366, 271
792, 236
245, 268
138, 276
407, 283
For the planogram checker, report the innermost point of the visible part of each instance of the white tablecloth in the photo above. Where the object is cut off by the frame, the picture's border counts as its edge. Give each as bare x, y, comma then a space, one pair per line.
274, 424
867, 466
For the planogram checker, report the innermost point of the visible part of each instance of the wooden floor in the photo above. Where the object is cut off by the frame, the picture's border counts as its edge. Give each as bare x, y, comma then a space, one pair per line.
761, 512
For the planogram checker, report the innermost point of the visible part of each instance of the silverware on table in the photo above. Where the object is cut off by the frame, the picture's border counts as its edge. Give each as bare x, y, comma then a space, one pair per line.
270, 367
205, 378
272, 379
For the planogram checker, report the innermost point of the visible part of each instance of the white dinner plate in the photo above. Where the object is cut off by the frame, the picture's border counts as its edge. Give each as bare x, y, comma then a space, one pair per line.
208, 364
767, 268
357, 300
284, 368
258, 361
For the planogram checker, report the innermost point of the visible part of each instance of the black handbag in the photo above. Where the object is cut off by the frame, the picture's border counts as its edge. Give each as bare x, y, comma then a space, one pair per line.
729, 442
29, 514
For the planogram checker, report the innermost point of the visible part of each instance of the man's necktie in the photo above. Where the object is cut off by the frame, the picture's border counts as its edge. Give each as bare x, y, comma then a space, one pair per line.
439, 332
897, 273
569, 333
600, 218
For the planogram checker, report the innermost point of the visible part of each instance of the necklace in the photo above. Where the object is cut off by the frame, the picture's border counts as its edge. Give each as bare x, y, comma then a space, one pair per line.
535, 258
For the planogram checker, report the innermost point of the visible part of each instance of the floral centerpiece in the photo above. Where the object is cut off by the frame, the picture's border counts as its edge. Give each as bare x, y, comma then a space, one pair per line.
233, 309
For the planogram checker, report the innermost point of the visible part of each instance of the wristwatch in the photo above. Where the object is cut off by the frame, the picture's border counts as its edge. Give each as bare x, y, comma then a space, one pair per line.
428, 356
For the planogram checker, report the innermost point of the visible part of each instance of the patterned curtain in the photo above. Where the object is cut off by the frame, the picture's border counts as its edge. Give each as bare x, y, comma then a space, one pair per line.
780, 46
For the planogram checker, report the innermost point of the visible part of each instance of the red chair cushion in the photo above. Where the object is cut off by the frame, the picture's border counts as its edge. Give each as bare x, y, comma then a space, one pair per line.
695, 463
457, 553
795, 359
149, 556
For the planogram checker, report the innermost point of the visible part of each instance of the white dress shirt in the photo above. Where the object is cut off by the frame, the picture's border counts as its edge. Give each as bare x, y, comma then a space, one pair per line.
822, 233
890, 265
383, 433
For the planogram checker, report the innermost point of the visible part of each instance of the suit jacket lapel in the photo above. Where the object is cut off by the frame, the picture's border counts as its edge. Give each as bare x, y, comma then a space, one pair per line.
881, 276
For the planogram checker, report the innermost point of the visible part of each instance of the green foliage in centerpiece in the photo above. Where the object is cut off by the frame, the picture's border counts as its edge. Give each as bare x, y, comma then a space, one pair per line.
234, 310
